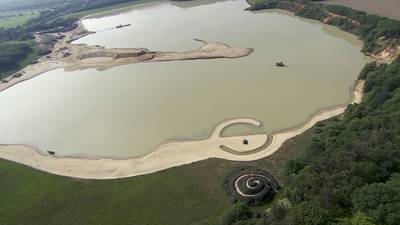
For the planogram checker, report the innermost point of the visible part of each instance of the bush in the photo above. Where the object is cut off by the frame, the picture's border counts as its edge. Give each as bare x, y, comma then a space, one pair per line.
10, 54
236, 213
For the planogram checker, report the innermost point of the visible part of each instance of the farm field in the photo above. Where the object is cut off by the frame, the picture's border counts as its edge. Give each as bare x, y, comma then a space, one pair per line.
16, 21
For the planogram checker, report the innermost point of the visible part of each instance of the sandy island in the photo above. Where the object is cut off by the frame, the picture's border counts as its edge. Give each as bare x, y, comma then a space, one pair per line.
171, 154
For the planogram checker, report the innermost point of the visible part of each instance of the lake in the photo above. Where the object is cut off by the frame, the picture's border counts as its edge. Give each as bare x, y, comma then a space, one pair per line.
130, 110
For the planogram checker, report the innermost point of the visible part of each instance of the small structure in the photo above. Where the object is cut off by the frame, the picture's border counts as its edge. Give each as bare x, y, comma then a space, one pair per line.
66, 54
18, 74
280, 64
121, 26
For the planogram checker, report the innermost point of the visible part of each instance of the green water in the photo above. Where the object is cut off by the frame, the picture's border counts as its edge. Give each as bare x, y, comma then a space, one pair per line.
129, 110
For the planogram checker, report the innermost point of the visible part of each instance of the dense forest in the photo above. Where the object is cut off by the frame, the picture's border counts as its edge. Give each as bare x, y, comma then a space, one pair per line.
350, 173
10, 54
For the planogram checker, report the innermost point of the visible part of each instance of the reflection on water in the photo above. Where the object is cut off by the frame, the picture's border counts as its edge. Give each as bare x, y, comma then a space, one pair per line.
129, 110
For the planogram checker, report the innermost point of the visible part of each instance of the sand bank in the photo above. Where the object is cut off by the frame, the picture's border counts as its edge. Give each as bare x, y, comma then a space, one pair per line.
170, 154
80, 56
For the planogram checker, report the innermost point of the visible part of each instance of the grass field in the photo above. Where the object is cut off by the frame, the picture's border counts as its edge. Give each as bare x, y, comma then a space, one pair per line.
17, 20
25, 62
181, 195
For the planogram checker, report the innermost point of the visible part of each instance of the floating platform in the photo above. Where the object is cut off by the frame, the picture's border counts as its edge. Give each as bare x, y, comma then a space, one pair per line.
122, 26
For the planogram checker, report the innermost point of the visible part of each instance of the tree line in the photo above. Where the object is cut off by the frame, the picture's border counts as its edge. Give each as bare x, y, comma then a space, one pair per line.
11, 53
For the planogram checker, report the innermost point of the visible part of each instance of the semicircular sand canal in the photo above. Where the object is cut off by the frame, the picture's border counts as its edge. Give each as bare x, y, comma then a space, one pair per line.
131, 110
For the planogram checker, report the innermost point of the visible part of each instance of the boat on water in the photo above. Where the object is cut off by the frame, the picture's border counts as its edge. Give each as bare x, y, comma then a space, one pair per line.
125, 25
280, 64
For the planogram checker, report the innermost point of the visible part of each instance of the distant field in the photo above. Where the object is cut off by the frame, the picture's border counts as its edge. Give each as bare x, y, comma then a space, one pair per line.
388, 8
25, 62
107, 8
12, 5
15, 21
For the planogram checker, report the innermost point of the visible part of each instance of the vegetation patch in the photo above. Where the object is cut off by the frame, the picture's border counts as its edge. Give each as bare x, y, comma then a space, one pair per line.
14, 21
15, 55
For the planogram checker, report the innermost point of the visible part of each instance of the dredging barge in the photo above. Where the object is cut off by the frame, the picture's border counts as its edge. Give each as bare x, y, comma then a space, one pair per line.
122, 26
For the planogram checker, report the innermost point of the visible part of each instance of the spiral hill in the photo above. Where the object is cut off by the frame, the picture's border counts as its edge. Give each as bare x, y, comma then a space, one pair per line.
250, 185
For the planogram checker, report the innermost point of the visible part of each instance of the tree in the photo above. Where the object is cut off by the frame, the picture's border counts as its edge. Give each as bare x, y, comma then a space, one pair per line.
236, 213
359, 219
380, 200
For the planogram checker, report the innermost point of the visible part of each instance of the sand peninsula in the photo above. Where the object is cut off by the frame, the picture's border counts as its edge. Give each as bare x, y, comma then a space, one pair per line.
81, 56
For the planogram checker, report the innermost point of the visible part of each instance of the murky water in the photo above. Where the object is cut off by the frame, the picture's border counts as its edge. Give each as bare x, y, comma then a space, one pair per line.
129, 110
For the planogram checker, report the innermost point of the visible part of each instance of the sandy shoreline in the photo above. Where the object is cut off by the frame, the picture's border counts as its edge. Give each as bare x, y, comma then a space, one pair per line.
170, 154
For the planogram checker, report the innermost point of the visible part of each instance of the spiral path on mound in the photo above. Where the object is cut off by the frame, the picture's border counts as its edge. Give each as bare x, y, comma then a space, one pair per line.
254, 184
